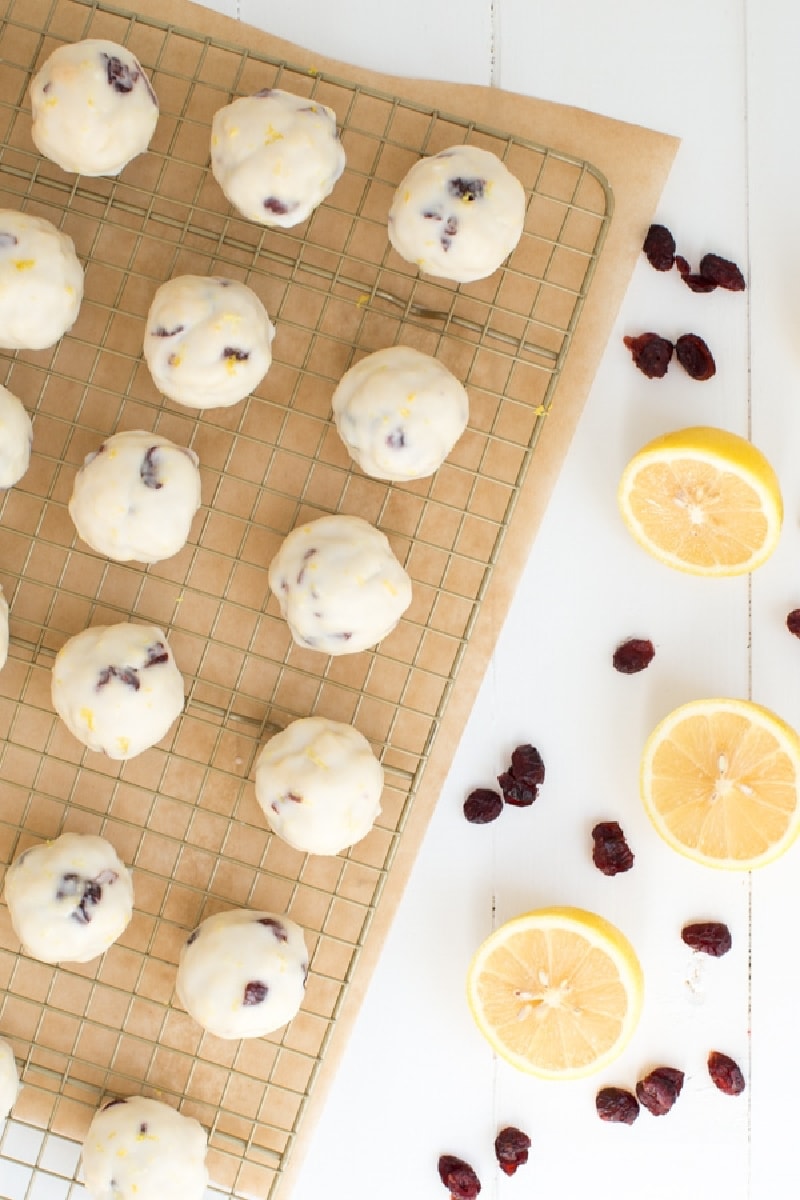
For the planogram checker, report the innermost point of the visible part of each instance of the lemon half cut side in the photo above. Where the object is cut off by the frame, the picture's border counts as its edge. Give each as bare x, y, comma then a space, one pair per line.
720, 780
702, 500
556, 992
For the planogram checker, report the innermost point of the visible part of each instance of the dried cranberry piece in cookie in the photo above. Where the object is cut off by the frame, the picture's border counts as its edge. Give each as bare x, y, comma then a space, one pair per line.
659, 247
274, 205
659, 1089
466, 189
121, 77
156, 654
161, 331
255, 992
722, 272
793, 622
611, 853
148, 471
277, 927
235, 355
511, 1148
126, 675
7, 240
708, 937
651, 354
725, 1073
458, 1177
695, 357
482, 806
449, 232
633, 656
616, 1105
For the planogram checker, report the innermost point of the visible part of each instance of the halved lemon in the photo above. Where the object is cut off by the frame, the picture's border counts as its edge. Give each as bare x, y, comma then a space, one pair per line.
703, 500
720, 780
557, 992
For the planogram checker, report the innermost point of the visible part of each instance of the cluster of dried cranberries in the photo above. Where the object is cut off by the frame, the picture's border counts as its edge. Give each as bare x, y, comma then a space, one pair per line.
652, 353
714, 271
519, 784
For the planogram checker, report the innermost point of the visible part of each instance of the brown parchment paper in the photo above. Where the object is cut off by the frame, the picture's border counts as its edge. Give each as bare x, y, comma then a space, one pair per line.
526, 343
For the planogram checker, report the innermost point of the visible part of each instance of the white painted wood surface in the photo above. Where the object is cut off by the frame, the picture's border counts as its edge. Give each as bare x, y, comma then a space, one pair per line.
417, 1079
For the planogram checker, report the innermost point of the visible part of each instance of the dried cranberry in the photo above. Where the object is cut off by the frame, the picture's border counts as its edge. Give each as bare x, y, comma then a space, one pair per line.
698, 283
511, 1147
651, 354
156, 655
255, 992
725, 1073
682, 264
659, 247
278, 207
723, 272
148, 471
611, 854
633, 655
659, 1090
121, 77
527, 766
793, 622
695, 357
466, 189
482, 806
458, 1177
617, 1105
277, 927
709, 937
517, 794
233, 354
449, 232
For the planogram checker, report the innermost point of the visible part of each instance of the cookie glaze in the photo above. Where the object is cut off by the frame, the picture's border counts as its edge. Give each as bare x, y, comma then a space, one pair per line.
276, 156
135, 497
339, 585
94, 108
457, 214
208, 341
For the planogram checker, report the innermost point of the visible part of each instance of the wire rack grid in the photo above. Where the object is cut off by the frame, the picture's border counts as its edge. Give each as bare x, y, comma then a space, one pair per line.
183, 814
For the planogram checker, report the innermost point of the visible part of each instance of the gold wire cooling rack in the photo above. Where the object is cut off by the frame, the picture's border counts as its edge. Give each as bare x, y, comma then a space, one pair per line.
184, 814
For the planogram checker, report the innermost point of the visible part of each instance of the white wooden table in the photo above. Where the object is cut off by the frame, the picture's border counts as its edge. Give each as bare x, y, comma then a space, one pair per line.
417, 1079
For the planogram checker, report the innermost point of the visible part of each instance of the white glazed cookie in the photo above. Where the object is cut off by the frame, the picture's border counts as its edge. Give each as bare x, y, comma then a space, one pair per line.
319, 785
16, 436
339, 585
9, 1079
136, 496
208, 341
143, 1149
69, 899
399, 413
41, 282
276, 156
117, 688
3, 629
457, 214
242, 973
93, 108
